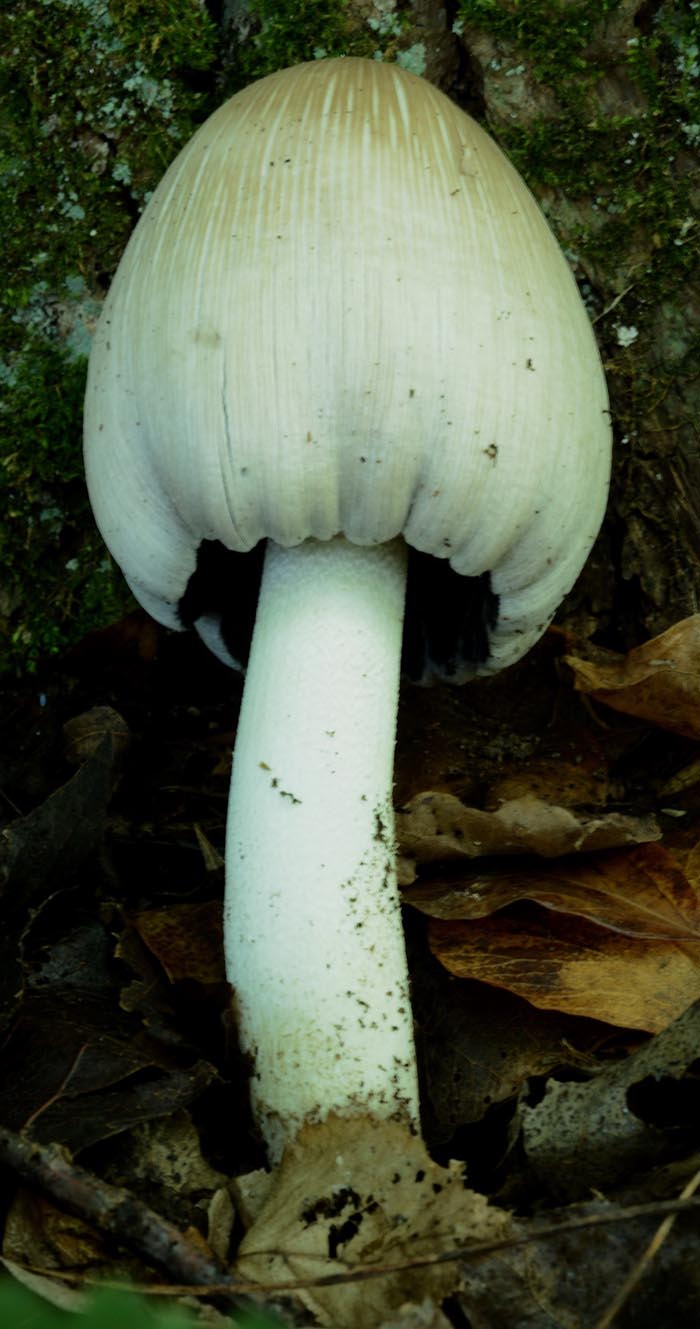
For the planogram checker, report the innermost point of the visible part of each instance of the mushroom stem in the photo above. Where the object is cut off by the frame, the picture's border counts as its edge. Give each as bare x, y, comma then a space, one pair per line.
313, 935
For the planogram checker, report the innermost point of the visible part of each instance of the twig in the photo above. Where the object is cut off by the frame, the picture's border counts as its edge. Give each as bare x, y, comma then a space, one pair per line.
645, 1260
362, 1273
43, 1107
112, 1210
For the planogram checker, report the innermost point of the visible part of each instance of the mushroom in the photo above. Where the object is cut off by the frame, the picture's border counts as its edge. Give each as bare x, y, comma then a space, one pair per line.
343, 338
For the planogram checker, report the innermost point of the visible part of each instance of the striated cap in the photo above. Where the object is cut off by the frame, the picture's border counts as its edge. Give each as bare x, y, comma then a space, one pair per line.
342, 312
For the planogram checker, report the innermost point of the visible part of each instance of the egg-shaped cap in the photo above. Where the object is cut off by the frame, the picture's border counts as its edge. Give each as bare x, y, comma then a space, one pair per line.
342, 312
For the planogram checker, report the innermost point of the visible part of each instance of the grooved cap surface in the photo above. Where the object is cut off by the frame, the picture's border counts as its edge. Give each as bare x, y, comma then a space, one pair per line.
343, 312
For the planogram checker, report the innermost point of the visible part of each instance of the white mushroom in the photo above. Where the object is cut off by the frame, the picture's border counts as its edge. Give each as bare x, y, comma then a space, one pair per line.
343, 327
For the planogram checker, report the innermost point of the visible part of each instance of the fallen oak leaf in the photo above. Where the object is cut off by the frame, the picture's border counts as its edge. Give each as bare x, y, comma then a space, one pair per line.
566, 964
658, 681
642, 892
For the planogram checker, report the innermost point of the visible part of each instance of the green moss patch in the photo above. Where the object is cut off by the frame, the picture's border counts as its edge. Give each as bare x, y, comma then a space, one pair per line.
96, 100
623, 112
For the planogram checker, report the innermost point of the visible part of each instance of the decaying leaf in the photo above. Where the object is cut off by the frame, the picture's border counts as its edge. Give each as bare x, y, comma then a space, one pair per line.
356, 1192
556, 781
641, 892
163, 1157
470, 1064
186, 939
687, 858
41, 1235
250, 1192
566, 964
437, 827
77, 1071
50, 843
568, 1279
44, 849
583, 782
84, 733
682, 780
587, 1136
658, 681
622, 944
213, 860
221, 1217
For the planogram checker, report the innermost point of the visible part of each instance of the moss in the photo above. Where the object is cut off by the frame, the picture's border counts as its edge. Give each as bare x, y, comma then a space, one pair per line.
96, 99
56, 572
597, 102
554, 36
273, 34
625, 164
619, 185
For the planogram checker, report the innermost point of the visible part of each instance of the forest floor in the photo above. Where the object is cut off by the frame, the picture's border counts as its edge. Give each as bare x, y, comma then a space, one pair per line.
552, 885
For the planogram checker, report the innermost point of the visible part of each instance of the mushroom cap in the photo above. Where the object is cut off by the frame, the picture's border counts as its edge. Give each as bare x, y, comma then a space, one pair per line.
342, 312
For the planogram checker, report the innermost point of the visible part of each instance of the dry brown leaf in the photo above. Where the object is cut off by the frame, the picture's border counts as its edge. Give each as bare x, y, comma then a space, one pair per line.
566, 964
658, 681
221, 1218
84, 733
355, 1192
682, 780
687, 858
213, 860
471, 1064
643, 892
186, 939
560, 783
41, 1236
437, 827
249, 1191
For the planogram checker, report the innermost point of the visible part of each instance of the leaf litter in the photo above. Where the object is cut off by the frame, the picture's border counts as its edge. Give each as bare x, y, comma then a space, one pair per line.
657, 682
115, 932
